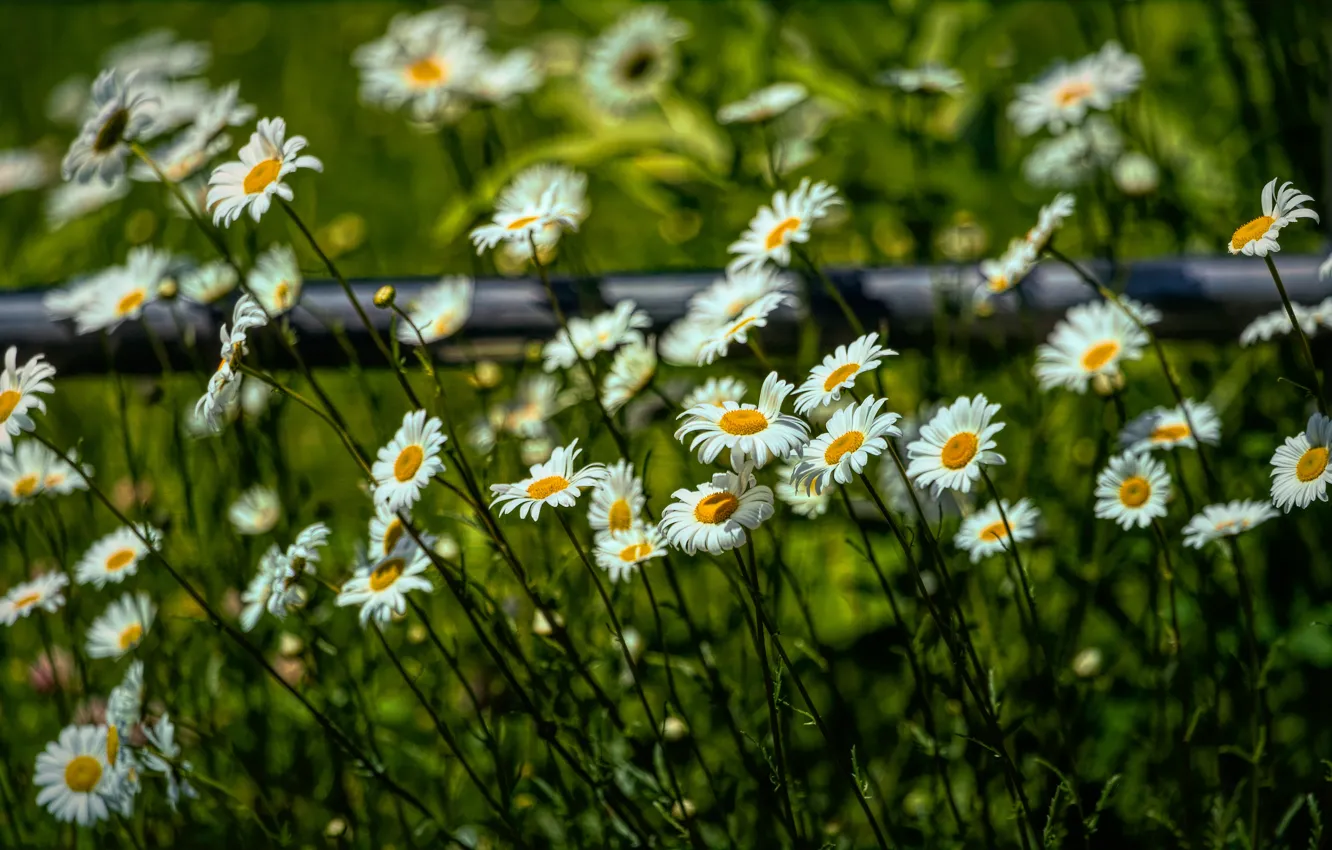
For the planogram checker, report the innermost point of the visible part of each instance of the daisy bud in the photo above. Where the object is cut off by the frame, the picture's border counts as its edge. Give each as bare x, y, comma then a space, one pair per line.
683, 812
673, 729
447, 548
384, 296
486, 375
918, 803
542, 627
1108, 385
335, 828
289, 644
1087, 663
167, 289
416, 633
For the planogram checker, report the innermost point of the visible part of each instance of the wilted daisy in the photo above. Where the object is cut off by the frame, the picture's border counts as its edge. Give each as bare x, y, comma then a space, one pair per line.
632, 369
122, 109
298, 560
758, 432
69, 201
1010, 269
617, 502
620, 552
803, 501
763, 105
585, 338
121, 627
554, 483
1229, 520
1076, 156
984, 532
43, 593
276, 279
425, 62
1132, 490
163, 757
751, 318
1166, 428
713, 517
633, 60
839, 371
716, 391
115, 556
254, 180
208, 283
21, 170
246, 315
728, 297
854, 435
124, 292
405, 466
1050, 219
439, 311
929, 78
381, 586
1257, 238
1063, 95
256, 511
254, 599
567, 193
1300, 470
77, 784
954, 445
20, 391
1092, 339
788, 220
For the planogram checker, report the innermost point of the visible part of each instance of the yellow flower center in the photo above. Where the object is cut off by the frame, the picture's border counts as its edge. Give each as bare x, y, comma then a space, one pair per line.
842, 446
119, 560
9, 400
260, 176
392, 534
112, 745
408, 462
1073, 92
282, 295
777, 236
1172, 433
129, 638
25, 486
27, 600
959, 450
428, 71
636, 552
443, 323
1311, 464
546, 487
1095, 357
520, 223
619, 517
130, 302
1135, 491
743, 422
386, 574
999, 283
839, 376
995, 531
1225, 525
1251, 231
716, 508
55, 479
82, 774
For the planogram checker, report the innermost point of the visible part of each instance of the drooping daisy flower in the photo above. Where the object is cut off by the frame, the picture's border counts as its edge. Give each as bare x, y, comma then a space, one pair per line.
522, 216
716, 391
381, 587
122, 109
163, 758
788, 220
758, 432
634, 59
19, 394
1276, 323
1050, 219
276, 279
426, 62
1010, 269
1132, 490
752, 318
1258, 238
728, 297
208, 283
115, 556
405, 466
254, 180
254, 600
713, 517
246, 315
554, 483
619, 553
984, 533
1166, 428
43, 593
1092, 339
568, 194
632, 369
124, 292
500, 79
255, 511
585, 338
1074, 157
121, 627
855, 433
839, 371
21, 170
75, 200
298, 560
1229, 520
1063, 94
954, 445
683, 341
617, 502
77, 784
763, 105
220, 400
1300, 471
803, 501
439, 311
929, 78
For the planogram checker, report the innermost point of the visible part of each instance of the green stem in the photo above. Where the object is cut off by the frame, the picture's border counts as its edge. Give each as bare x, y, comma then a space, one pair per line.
1317, 383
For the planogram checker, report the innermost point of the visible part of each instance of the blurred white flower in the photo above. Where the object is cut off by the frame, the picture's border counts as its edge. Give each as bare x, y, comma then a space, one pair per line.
929, 78
255, 511
763, 105
1136, 174
1064, 94
629, 63
788, 220
21, 170
1073, 158
122, 110
439, 311
427, 62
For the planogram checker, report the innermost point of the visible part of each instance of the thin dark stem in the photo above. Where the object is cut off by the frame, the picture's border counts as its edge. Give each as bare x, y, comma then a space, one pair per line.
1317, 383
831, 289
1255, 685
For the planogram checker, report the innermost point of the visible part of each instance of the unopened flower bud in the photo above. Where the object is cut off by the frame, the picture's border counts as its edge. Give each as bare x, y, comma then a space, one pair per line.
683, 812
1108, 385
167, 289
384, 296
673, 729
1087, 663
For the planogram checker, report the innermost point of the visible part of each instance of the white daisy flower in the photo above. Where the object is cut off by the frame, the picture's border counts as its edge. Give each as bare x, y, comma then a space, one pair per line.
386, 531
1062, 96
630, 62
19, 394
632, 369
713, 517
164, 756
124, 705
181, 158
257, 177
1277, 323
218, 405
854, 434
299, 559
954, 445
381, 587
568, 194
122, 109
758, 432
246, 315
522, 216
158, 54
255, 511
617, 502
1074, 157
554, 482
1010, 269
439, 311
426, 62
500, 79
715, 391
929, 78
984, 533
839, 371
534, 402
802, 500
115, 556
1166, 428
63, 478
1229, 520
1092, 339
254, 599
586, 338
46, 593
208, 283
275, 280
175, 103
763, 105
1300, 470
121, 627
77, 785
23, 472
70, 201
753, 317
1132, 490
683, 341
405, 466
124, 293
728, 297
620, 553
788, 220
1051, 217
1145, 314
1136, 174
21, 170
1258, 238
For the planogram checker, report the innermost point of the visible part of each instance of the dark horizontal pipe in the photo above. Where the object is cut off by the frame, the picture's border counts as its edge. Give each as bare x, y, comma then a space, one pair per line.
1201, 298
